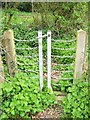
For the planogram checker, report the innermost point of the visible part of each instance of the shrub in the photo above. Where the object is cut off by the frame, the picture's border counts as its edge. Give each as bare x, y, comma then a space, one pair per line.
21, 97
25, 6
76, 102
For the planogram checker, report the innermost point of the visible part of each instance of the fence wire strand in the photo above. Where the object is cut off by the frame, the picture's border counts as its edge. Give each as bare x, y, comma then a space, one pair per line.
64, 48
30, 71
56, 56
26, 56
24, 64
64, 64
65, 41
34, 48
31, 40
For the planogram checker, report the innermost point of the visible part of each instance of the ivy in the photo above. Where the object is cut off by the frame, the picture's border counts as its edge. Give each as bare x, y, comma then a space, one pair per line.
76, 102
22, 95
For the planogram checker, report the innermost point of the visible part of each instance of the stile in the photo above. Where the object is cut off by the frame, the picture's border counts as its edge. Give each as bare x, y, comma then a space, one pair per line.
49, 59
40, 58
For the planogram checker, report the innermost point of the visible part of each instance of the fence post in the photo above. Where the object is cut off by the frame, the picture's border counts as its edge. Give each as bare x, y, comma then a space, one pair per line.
80, 55
40, 58
9, 46
49, 59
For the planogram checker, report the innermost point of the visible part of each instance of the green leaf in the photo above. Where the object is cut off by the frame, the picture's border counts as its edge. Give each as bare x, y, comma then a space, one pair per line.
13, 112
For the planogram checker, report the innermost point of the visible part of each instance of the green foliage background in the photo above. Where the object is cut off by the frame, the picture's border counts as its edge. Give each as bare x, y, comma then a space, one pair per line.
63, 19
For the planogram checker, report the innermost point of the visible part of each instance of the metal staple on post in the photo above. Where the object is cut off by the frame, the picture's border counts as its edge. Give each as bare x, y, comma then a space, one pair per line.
40, 58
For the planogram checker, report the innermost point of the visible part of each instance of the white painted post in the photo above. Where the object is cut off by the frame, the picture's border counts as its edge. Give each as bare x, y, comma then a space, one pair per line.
40, 58
80, 55
49, 59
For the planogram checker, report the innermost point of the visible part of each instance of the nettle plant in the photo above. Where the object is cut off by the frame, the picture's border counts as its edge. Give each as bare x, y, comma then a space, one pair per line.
22, 97
76, 102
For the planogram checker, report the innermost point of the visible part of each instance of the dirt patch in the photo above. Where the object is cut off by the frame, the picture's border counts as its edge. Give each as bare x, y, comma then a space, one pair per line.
50, 113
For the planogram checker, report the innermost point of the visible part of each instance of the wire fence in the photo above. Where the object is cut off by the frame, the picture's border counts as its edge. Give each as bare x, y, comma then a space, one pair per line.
26, 65
62, 58
58, 66
48, 58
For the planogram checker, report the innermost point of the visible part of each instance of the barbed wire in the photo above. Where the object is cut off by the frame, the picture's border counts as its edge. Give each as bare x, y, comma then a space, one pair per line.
18, 40
36, 63
56, 56
66, 41
59, 84
30, 71
67, 71
26, 56
64, 64
53, 56
26, 48
36, 38
63, 48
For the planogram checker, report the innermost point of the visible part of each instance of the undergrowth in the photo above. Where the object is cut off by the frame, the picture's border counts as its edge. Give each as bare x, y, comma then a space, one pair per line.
76, 102
22, 97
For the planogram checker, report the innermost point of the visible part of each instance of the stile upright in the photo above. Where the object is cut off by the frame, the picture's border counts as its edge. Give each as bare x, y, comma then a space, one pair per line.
40, 58
49, 59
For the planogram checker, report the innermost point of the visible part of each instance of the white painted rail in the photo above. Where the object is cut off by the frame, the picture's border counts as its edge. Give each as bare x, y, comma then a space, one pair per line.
40, 58
49, 59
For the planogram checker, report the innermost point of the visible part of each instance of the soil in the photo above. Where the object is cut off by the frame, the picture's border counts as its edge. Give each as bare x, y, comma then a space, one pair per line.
55, 112
52, 113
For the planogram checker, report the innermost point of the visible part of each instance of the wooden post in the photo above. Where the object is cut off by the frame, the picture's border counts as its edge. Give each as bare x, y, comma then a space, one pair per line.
80, 55
9, 46
40, 58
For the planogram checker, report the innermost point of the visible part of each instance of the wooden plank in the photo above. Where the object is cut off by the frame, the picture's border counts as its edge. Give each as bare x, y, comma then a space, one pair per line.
80, 55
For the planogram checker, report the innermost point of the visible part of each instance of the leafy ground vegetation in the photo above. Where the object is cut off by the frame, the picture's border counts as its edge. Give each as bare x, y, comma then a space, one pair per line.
21, 96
